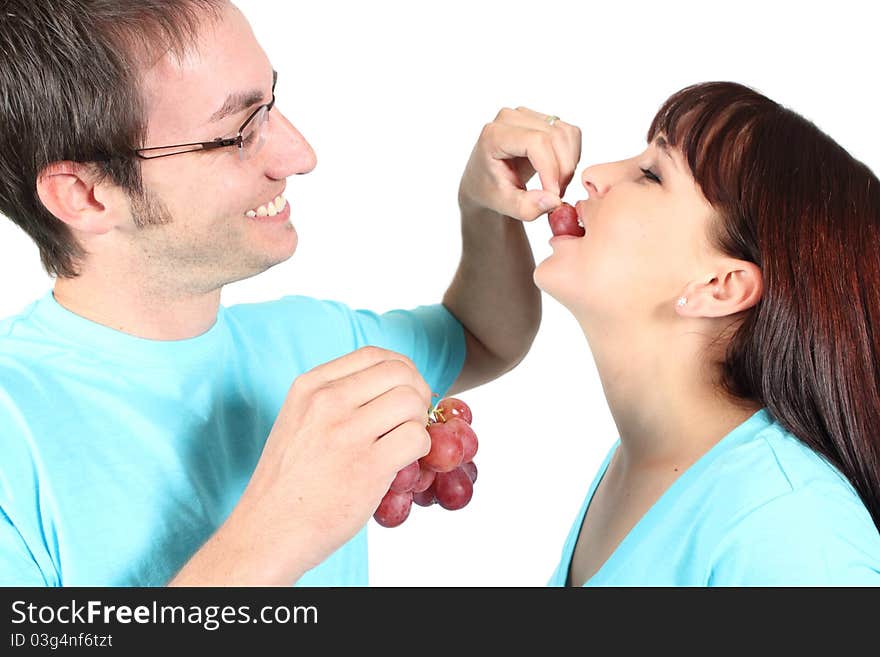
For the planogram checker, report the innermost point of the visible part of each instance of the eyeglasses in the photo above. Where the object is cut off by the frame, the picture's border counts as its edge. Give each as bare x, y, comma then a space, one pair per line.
249, 140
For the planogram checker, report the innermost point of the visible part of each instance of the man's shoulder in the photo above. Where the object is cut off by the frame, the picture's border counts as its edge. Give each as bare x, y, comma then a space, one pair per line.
21, 344
23, 385
292, 305
314, 317
29, 331
293, 315
24, 395
12, 326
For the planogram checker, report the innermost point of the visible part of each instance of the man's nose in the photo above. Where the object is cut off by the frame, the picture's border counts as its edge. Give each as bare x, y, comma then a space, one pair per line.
290, 153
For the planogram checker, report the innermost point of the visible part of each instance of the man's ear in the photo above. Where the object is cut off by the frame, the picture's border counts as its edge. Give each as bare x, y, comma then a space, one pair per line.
734, 286
76, 194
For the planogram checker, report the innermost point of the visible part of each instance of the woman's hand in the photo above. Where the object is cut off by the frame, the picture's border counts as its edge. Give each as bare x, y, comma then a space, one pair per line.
510, 150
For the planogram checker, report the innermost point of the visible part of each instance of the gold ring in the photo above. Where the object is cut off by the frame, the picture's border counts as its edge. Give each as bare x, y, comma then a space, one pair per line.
552, 120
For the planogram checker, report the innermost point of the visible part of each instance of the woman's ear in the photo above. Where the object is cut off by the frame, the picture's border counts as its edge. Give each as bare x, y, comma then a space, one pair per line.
76, 194
735, 286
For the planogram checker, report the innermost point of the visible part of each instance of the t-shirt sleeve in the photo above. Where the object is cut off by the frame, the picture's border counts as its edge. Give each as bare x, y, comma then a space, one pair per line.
429, 335
309, 332
24, 560
17, 564
805, 537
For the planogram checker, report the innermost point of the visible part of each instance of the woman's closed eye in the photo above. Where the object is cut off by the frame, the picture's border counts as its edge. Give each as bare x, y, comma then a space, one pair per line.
650, 175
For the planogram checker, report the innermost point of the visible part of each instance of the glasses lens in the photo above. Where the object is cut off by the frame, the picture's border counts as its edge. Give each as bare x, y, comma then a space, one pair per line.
254, 135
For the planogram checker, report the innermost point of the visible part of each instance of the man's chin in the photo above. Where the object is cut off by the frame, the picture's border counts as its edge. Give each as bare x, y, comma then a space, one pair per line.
279, 251
274, 260
264, 264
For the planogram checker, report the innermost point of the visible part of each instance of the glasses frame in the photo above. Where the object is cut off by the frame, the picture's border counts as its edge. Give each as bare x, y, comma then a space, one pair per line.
199, 146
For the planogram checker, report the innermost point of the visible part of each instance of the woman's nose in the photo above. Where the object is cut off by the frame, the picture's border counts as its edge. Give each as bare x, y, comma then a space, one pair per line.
600, 178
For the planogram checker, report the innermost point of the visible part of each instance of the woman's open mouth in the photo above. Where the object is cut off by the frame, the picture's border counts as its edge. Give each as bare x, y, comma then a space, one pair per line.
564, 220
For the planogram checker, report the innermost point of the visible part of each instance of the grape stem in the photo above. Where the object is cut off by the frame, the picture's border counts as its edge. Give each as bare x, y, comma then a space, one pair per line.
436, 413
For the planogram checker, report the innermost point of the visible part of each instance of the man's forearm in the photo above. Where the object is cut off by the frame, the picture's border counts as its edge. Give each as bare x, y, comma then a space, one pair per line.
493, 293
238, 554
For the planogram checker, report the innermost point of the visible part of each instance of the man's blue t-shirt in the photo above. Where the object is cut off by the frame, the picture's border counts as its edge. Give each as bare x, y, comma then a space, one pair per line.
120, 456
758, 509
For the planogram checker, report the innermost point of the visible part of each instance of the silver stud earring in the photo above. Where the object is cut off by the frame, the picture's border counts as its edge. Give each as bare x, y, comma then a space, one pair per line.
682, 302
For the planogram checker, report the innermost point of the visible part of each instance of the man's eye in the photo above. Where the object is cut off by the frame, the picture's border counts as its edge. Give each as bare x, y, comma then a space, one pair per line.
650, 175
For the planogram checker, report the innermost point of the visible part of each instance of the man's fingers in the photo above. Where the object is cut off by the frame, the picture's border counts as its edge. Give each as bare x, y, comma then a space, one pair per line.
529, 118
535, 145
567, 144
564, 137
404, 444
388, 411
362, 387
344, 366
526, 205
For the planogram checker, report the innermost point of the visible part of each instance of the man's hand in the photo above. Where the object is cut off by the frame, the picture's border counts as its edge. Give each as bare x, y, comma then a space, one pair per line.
345, 429
493, 294
510, 150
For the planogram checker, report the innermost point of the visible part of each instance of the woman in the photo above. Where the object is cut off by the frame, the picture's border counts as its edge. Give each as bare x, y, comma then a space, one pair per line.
729, 288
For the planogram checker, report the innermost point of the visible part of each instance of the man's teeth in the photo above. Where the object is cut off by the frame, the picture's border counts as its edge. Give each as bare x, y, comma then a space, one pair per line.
271, 209
580, 222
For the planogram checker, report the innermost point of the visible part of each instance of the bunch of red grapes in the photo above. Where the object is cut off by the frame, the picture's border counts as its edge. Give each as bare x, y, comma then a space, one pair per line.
445, 475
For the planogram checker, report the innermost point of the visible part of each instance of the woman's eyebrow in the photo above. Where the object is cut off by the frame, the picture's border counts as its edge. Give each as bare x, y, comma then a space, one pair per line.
661, 143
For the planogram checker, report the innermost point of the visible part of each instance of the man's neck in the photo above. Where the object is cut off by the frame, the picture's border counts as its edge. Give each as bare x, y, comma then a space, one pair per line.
138, 309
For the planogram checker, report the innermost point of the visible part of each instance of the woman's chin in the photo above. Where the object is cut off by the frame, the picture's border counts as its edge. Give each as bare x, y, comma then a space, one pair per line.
543, 274
554, 279
552, 282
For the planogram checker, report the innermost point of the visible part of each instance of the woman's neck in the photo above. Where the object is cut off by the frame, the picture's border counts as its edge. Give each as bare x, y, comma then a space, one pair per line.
668, 404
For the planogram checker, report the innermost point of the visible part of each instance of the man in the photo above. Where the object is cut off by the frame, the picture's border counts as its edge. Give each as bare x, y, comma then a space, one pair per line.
150, 436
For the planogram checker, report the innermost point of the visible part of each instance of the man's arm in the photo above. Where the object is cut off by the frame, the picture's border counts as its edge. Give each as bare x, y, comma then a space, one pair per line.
293, 513
494, 297
493, 293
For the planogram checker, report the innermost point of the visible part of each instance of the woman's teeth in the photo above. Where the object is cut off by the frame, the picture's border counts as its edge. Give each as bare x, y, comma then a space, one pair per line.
271, 209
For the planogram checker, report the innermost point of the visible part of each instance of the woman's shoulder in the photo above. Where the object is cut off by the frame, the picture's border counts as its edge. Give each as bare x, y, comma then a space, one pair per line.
766, 461
809, 536
792, 516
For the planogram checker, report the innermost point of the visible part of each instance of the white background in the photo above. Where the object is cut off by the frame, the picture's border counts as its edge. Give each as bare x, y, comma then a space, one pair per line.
392, 95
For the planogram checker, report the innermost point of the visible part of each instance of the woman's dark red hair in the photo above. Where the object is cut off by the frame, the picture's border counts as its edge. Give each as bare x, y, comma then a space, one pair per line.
795, 203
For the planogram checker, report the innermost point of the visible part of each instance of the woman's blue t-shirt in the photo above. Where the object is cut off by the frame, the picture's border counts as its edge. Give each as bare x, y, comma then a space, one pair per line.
758, 509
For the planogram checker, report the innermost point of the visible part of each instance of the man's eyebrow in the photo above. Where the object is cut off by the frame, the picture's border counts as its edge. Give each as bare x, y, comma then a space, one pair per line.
237, 102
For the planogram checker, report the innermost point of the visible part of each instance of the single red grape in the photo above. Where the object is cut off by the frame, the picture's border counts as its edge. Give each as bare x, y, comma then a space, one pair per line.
393, 509
453, 490
446, 448
470, 469
469, 442
564, 221
451, 407
425, 498
426, 478
406, 478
